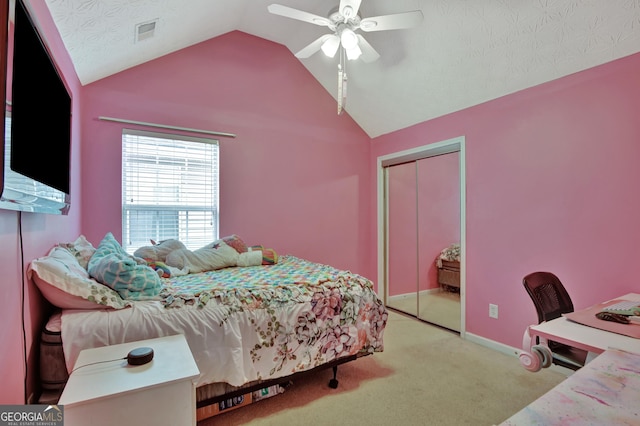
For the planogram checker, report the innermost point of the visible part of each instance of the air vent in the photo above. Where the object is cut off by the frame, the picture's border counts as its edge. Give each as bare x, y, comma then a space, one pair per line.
145, 30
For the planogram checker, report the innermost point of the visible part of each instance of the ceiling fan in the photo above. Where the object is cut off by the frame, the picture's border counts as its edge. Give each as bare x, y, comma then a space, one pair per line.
344, 21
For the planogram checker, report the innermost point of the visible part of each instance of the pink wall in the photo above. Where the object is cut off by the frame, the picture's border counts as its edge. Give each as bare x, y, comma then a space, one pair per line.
551, 182
403, 235
424, 218
296, 177
24, 237
551, 177
438, 212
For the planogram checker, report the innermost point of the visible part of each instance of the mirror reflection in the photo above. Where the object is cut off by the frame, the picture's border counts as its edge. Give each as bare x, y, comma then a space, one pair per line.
423, 239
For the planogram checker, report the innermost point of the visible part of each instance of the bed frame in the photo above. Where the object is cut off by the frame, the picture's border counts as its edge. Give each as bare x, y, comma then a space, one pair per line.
53, 373
202, 400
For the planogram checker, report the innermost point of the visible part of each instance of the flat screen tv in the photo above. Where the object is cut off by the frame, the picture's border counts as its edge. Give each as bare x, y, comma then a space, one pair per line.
37, 144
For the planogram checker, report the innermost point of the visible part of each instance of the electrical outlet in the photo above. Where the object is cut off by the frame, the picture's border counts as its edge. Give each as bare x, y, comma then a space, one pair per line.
493, 310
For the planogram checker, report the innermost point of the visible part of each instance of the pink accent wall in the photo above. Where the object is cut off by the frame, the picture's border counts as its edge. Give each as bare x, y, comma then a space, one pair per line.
551, 182
25, 236
403, 236
296, 177
424, 218
438, 212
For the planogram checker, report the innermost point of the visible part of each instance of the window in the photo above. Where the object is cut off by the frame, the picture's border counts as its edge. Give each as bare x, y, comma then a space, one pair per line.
169, 189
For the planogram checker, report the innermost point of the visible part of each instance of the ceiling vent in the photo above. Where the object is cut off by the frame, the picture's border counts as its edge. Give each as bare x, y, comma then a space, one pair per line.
145, 30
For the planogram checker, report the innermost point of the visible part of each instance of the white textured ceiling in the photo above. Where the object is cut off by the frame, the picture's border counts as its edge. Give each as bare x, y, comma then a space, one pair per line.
464, 53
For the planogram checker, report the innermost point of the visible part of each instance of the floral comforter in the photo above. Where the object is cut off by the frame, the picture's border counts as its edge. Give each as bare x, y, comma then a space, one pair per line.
250, 323
291, 280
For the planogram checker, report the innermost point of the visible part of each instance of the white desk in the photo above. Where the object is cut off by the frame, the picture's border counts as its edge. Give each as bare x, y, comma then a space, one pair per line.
161, 392
574, 334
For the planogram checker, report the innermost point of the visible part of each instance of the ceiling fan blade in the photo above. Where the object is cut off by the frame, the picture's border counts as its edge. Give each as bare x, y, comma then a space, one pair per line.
288, 12
313, 47
392, 22
351, 6
369, 54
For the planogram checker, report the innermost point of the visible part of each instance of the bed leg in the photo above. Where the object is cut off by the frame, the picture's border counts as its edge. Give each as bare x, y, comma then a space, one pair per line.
333, 383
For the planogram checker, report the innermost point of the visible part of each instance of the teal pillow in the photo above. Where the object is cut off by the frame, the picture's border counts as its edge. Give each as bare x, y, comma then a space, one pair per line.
114, 267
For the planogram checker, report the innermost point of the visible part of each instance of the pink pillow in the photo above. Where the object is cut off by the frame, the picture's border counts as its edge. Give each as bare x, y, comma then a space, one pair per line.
61, 299
67, 285
235, 242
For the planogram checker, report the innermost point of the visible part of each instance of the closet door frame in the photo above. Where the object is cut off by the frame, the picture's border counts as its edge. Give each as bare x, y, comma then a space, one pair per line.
443, 147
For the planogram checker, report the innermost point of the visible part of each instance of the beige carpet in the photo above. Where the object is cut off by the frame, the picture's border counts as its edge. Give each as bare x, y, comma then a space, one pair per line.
425, 376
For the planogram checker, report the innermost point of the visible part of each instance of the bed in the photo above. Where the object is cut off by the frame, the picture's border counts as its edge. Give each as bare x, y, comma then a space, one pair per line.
248, 326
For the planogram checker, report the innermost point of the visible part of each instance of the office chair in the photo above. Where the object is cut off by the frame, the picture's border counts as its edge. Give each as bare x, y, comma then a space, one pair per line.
551, 301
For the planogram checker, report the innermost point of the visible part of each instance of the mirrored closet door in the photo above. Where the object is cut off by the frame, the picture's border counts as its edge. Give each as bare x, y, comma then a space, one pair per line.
423, 237
402, 238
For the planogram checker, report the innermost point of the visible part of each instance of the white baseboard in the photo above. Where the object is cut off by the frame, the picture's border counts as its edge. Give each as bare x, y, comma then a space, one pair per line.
492, 344
413, 295
400, 297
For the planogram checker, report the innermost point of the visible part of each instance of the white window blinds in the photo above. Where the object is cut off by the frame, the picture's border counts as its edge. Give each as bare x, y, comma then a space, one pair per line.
169, 189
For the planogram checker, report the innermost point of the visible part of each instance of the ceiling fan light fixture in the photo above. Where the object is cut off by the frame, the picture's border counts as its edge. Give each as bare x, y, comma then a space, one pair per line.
330, 45
353, 53
348, 38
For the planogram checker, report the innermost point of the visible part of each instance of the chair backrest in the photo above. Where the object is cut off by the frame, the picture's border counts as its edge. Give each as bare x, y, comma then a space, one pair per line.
548, 294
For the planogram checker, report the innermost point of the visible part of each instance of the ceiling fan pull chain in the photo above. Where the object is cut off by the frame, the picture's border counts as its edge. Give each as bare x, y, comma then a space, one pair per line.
339, 89
342, 82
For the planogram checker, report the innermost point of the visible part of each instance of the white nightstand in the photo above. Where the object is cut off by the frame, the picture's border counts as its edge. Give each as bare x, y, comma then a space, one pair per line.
161, 392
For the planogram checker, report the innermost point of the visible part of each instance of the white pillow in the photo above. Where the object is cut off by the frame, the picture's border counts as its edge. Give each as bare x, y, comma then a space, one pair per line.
159, 252
203, 259
67, 285
250, 258
81, 248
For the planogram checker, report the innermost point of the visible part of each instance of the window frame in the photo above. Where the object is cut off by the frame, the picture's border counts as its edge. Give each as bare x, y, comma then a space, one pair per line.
175, 188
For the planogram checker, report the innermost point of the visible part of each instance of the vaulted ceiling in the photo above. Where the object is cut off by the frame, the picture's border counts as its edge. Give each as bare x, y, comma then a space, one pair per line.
464, 52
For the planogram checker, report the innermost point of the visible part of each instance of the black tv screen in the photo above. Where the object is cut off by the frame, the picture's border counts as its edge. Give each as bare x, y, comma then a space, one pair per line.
38, 125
